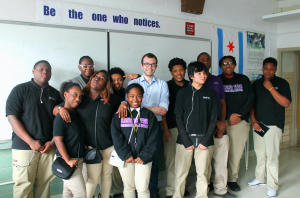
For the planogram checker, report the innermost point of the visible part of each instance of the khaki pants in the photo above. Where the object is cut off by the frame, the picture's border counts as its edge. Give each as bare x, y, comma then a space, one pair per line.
267, 153
97, 171
136, 176
183, 162
75, 186
169, 152
219, 163
32, 173
117, 181
238, 135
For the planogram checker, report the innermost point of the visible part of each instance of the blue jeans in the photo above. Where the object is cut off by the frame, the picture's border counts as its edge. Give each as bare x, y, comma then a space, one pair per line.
153, 185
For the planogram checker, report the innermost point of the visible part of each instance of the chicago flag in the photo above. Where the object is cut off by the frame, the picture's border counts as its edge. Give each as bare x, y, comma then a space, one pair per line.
228, 41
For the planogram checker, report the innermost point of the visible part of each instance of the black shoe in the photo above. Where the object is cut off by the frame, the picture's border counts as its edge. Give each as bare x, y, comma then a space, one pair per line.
156, 196
227, 195
211, 187
186, 193
170, 196
120, 195
234, 186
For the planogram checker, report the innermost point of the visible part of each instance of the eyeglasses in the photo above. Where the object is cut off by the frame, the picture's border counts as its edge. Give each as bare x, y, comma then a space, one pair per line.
148, 64
87, 66
227, 63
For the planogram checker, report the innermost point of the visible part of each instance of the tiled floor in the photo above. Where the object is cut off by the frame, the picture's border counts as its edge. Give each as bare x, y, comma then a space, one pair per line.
289, 178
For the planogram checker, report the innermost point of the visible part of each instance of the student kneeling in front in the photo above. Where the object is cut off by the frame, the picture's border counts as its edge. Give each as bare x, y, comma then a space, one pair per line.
196, 112
134, 139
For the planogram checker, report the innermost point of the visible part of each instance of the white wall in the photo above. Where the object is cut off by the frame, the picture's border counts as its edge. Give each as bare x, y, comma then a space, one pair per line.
240, 14
236, 13
288, 3
289, 34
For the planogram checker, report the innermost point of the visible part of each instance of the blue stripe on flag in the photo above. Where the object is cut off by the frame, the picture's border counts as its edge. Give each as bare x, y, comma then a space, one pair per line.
241, 54
220, 47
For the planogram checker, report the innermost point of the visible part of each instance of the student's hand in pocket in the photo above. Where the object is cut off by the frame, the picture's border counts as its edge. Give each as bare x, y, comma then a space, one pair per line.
219, 133
72, 163
190, 148
130, 160
201, 147
166, 136
221, 125
138, 161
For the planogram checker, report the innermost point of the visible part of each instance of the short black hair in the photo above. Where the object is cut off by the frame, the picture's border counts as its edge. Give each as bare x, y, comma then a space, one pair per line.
176, 61
270, 60
196, 66
149, 55
84, 57
66, 86
42, 61
201, 55
224, 57
116, 70
134, 85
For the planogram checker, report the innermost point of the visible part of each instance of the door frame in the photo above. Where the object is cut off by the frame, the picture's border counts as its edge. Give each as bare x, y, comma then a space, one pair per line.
295, 95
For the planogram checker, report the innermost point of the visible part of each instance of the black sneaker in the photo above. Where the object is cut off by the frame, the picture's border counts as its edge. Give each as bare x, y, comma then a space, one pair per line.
227, 195
234, 186
211, 187
186, 193
120, 195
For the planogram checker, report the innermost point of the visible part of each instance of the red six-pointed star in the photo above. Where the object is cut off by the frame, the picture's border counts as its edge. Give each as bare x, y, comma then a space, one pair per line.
230, 46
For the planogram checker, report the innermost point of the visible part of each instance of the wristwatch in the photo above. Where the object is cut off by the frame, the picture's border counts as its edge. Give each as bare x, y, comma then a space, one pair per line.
59, 108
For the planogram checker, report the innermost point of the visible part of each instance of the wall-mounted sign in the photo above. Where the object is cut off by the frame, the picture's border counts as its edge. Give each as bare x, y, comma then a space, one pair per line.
73, 14
189, 28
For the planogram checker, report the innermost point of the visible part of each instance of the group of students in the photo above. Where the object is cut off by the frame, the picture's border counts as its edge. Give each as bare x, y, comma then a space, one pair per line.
93, 110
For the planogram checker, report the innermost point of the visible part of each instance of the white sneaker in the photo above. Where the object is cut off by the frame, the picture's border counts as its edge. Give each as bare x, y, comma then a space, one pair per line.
255, 182
271, 193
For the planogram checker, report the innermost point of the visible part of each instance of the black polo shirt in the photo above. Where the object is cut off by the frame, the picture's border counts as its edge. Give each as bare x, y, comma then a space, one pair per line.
120, 93
87, 114
197, 108
72, 134
266, 108
33, 106
173, 90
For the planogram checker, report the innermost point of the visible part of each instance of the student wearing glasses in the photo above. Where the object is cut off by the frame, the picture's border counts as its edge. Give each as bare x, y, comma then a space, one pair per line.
239, 101
156, 99
272, 96
86, 67
140, 129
